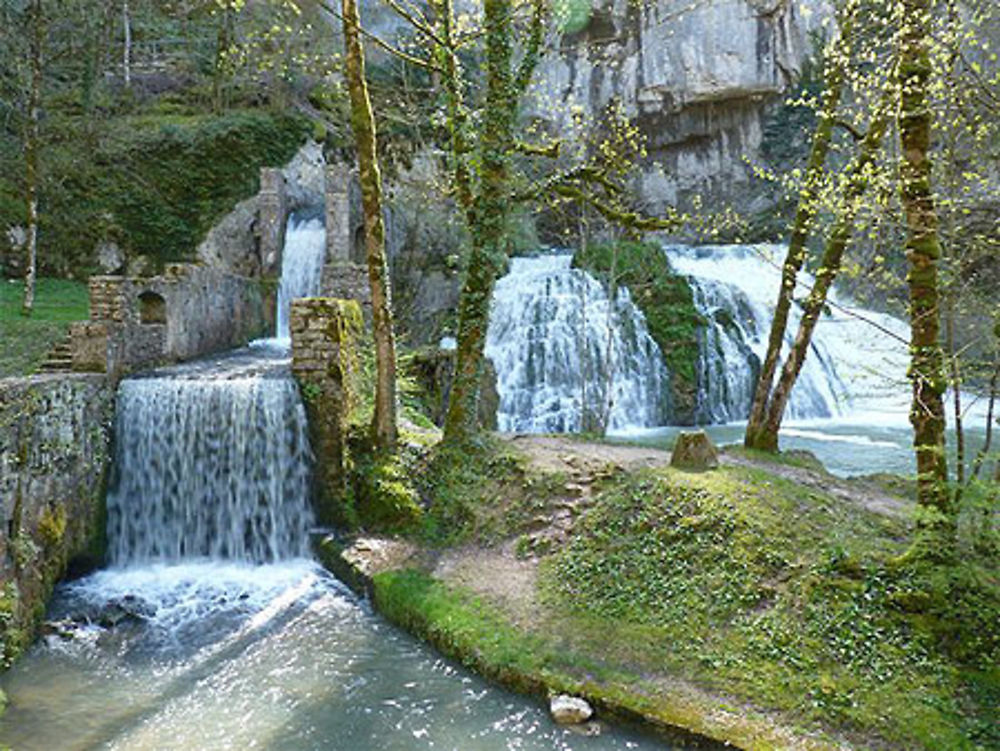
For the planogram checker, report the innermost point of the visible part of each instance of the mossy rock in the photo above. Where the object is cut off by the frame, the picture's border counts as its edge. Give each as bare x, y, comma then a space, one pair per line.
667, 302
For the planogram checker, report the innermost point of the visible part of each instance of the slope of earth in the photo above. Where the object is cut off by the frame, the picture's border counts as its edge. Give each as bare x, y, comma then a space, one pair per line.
760, 604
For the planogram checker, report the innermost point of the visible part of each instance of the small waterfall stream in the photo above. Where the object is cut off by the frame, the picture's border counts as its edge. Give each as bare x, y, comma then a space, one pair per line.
210, 465
557, 341
301, 266
567, 357
857, 361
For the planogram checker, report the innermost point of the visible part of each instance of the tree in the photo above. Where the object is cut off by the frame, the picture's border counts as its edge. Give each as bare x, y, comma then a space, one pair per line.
363, 125
32, 138
923, 250
836, 62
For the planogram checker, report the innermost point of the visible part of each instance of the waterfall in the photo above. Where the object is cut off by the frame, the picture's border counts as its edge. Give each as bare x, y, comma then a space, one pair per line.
857, 359
557, 341
211, 460
301, 266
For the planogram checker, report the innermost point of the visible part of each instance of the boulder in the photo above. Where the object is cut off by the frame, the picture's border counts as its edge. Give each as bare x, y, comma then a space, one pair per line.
569, 710
694, 451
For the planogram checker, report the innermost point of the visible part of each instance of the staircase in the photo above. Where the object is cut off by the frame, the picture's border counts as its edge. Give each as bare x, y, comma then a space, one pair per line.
60, 357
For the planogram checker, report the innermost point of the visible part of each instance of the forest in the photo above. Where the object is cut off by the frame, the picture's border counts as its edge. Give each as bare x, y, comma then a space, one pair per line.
500, 374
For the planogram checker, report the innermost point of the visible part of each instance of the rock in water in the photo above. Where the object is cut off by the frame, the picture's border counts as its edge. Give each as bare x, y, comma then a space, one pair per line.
694, 451
569, 710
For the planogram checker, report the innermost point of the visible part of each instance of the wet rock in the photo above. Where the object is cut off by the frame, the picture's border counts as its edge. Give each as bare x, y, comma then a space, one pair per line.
694, 451
124, 610
64, 628
569, 710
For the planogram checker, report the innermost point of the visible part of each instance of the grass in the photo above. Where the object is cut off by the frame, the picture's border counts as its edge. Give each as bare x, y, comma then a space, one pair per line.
757, 587
720, 602
27, 340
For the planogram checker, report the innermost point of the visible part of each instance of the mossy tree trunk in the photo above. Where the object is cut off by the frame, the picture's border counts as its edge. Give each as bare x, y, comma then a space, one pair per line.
936, 532
833, 253
758, 436
363, 124
31, 147
490, 205
489, 214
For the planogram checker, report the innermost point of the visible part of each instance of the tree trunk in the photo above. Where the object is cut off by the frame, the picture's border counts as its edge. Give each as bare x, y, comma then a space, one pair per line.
489, 224
757, 435
363, 125
936, 524
127, 47
31, 146
830, 264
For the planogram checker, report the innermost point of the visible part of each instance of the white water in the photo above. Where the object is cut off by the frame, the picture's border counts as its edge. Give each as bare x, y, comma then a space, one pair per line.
301, 267
557, 341
210, 464
857, 362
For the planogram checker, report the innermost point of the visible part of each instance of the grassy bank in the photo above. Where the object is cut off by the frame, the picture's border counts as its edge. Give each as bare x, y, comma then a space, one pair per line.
740, 604
27, 340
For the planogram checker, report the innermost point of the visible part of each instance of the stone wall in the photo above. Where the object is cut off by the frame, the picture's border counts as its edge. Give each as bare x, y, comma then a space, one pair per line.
326, 335
188, 311
55, 433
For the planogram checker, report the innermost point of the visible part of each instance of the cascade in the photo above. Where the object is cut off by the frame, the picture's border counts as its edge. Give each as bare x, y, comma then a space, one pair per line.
857, 361
211, 461
557, 341
563, 350
301, 266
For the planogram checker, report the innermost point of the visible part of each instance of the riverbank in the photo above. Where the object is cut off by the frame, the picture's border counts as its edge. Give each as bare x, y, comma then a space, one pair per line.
755, 605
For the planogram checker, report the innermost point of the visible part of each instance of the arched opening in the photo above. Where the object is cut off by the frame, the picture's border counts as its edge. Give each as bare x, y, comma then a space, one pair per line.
358, 248
152, 308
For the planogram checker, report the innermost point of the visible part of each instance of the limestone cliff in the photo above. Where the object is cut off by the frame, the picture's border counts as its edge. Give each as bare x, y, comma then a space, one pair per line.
695, 76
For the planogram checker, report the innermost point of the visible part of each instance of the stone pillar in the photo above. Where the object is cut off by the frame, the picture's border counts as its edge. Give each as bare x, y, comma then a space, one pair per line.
272, 220
326, 335
338, 214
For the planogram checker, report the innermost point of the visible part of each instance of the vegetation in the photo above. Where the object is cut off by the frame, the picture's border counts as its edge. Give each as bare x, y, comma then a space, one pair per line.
742, 583
760, 588
153, 184
665, 300
27, 341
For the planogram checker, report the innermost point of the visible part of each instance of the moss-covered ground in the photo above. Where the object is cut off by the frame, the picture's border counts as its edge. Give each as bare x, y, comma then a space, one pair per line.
25, 341
736, 603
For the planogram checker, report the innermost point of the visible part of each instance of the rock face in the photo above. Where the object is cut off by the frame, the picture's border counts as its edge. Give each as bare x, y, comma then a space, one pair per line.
695, 77
54, 453
234, 243
694, 451
569, 710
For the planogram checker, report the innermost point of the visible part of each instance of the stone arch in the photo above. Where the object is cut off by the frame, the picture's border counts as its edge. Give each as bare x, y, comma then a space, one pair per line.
152, 308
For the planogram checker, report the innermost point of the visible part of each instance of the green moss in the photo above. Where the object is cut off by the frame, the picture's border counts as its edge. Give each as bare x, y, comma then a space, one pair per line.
761, 588
385, 499
666, 301
153, 183
52, 526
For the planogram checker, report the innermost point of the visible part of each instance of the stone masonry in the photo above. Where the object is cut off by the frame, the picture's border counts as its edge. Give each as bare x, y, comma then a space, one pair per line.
55, 434
326, 334
345, 275
188, 311
271, 223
